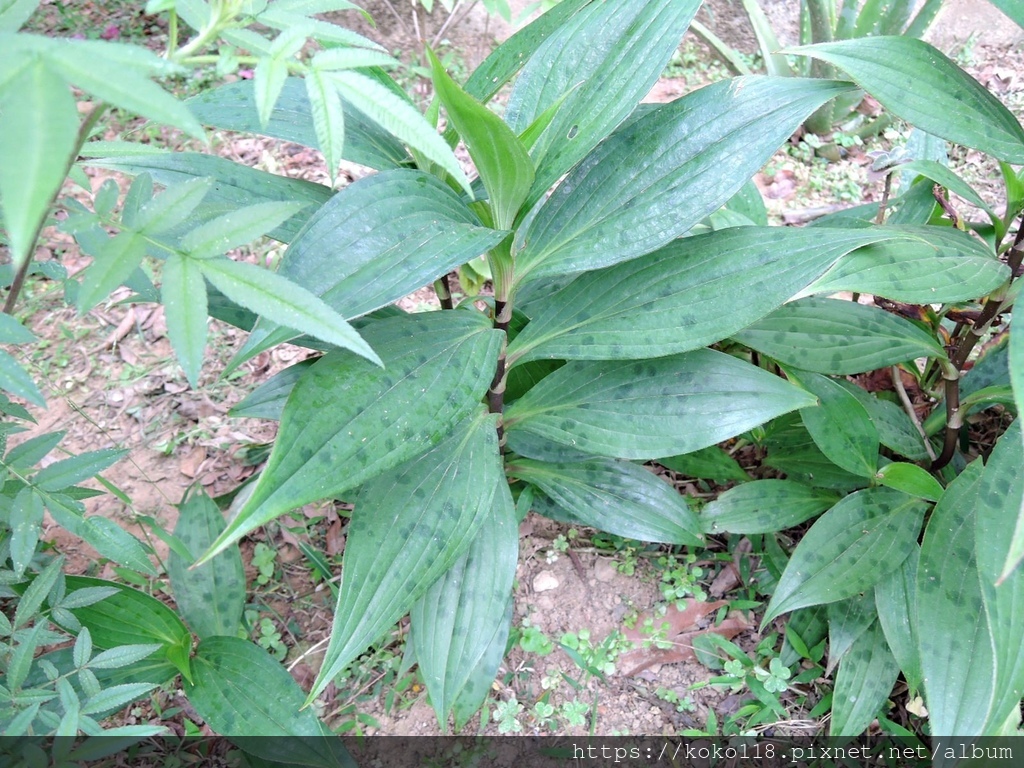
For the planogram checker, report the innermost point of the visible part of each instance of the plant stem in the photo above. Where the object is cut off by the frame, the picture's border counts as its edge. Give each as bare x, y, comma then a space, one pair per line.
83, 135
397, 15
884, 202
496, 392
444, 293
908, 406
962, 351
947, 207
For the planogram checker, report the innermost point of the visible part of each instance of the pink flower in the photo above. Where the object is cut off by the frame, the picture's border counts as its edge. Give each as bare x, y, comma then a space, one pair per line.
111, 33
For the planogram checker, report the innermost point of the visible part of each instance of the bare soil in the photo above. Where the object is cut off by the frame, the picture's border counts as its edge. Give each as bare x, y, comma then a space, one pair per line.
116, 384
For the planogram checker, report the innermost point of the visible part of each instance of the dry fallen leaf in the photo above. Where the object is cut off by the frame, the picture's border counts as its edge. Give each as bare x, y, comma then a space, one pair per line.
677, 628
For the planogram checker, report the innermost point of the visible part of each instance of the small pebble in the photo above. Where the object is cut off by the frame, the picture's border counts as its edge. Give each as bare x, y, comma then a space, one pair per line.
544, 581
604, 570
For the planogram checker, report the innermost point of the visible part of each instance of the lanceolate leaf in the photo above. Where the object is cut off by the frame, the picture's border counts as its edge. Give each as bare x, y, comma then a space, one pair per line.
651, 408
328, 116
183, 293
26, 518
452, 622
997, 547
211, 598
947, 265
509, 57
896, 601
712, 463
911, 479
118, 74
398, 117
957, 659
838, 337
840, 426
847, 620
235, 186
240, 691
614, 51
39, 123
864, 681
237, 228
267, 400
111, 265
764, 506
652, 180
346, 412
395, 249
614, 496
683, 296
505, 168
283, 302
916, 82
418, 520
233, 107
61, 474
849, 549
895, 430
15, 380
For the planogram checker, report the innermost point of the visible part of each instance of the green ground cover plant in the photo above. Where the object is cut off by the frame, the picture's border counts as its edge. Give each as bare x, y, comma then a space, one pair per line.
642, 312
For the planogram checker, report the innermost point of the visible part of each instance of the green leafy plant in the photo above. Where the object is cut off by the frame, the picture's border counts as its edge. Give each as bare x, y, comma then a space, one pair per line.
642, 311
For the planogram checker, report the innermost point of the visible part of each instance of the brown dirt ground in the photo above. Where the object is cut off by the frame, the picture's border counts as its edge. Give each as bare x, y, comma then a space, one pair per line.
112, 381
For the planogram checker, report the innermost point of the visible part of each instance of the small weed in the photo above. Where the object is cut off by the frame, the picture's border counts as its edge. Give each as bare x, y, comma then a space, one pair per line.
507, 715
575, 712
680, 578
264, 559
268, 636
681, 703
533, 640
